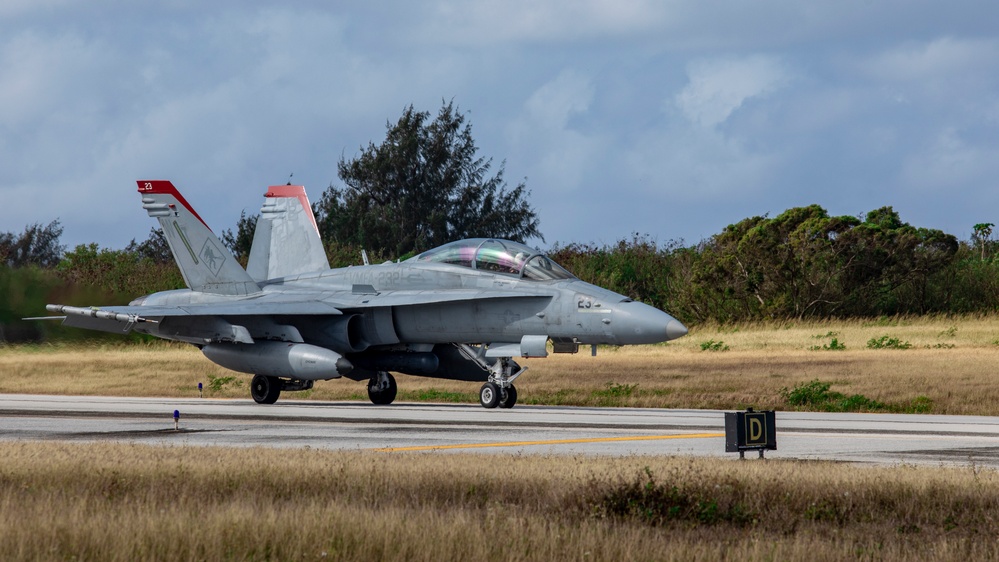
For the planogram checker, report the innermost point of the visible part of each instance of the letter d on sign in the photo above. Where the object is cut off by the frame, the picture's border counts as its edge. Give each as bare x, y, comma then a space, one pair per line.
756, 429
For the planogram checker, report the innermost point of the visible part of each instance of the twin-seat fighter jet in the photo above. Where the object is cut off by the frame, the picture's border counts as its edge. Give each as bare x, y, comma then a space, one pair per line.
462, 311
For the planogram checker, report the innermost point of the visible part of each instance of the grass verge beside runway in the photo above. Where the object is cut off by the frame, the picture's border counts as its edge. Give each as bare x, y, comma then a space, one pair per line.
935, 365
136, 502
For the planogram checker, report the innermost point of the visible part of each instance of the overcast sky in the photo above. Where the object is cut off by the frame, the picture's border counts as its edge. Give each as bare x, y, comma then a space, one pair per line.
672, 118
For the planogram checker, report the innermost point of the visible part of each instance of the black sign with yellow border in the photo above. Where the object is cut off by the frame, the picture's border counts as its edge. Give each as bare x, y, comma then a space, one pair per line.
750, 430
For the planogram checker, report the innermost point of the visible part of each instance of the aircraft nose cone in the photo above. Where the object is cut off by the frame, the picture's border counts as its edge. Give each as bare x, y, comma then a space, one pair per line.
638, 323
675, 329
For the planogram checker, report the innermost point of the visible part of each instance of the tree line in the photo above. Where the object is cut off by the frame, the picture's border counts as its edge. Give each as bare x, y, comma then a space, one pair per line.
426, 185
800, 264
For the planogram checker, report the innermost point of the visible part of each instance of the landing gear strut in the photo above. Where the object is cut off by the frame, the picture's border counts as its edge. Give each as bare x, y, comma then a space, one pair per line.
499, 389
382, 388
264, 389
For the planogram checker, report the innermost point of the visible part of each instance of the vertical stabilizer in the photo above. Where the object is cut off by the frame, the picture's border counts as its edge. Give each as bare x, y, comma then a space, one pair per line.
286, 241
206, 264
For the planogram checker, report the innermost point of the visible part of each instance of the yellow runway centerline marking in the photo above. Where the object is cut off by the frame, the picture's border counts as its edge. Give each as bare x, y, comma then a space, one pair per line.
552, 442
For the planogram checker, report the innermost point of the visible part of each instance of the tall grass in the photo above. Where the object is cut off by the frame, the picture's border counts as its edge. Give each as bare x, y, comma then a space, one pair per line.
131, 502
948, 369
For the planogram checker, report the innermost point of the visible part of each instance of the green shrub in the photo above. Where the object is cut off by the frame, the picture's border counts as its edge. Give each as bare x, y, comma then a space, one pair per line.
833, 345
813, 392
712, 345
216, 384
887, 342
615, 390
817, 395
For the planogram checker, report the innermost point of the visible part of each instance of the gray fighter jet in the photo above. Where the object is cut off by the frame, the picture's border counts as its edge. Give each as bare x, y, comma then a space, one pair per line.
462, 311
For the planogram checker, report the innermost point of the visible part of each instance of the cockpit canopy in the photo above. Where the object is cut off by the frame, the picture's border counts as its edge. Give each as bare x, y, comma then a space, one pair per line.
499, 256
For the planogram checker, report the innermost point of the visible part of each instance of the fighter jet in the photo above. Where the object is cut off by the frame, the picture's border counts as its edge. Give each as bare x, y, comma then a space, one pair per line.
463, 311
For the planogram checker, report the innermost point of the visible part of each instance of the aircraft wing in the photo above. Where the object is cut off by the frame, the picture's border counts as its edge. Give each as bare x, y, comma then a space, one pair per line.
299, 308
121, 319
288, 304
307, 308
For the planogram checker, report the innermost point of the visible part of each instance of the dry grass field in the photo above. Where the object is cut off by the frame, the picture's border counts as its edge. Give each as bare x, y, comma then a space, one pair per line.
133, 502
111, 501
949, 367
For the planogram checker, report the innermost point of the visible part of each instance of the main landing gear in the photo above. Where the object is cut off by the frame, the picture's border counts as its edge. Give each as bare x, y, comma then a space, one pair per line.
382, 388
266, 390
498, 391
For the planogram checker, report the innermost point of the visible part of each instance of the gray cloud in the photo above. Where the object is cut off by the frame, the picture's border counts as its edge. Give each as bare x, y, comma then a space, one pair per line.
670, 118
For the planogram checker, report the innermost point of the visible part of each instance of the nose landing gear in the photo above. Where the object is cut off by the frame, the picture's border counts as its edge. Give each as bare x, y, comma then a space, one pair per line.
491, 395
499, 390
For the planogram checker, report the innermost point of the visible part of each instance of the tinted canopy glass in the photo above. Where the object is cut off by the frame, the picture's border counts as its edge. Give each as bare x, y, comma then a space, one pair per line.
500, 256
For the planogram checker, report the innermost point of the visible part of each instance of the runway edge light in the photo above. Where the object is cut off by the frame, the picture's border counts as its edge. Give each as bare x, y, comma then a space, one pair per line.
750, 431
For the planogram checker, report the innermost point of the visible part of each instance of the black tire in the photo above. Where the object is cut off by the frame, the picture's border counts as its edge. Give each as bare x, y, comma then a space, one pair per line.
509, 397
265, 390
384, 396
489, 395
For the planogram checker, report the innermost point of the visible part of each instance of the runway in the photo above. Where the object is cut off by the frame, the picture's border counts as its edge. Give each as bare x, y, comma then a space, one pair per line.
862, 438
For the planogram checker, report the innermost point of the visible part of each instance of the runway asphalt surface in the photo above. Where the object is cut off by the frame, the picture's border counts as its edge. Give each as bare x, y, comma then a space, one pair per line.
864, 438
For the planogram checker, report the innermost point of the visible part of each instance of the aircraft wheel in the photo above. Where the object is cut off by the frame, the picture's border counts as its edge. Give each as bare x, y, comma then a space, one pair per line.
489, 395
382, 388
264, 389
508, 397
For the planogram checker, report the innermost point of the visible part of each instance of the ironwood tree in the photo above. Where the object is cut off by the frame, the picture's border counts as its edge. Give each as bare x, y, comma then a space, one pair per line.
38, 246
155, 248
240, 242
423, 186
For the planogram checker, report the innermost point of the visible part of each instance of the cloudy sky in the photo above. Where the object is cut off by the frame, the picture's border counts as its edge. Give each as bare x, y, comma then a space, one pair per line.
671, 118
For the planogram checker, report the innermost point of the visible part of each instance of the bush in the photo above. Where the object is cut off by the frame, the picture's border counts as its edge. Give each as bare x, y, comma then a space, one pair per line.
833, 345
216, 384
817, 395
647, 501
887, 342
712, 345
